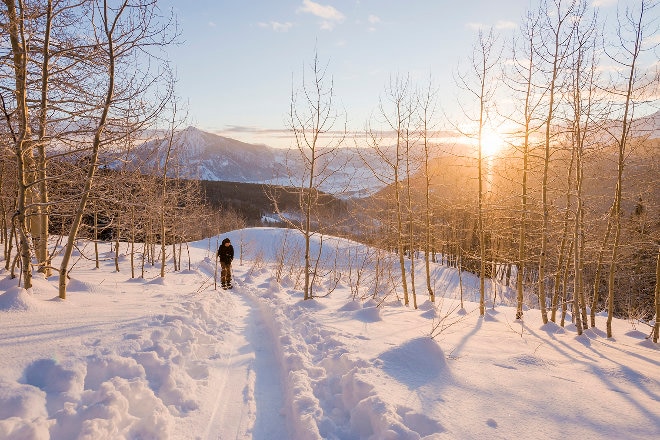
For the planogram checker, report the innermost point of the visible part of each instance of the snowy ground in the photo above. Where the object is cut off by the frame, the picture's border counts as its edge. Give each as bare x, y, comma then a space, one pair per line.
156, 358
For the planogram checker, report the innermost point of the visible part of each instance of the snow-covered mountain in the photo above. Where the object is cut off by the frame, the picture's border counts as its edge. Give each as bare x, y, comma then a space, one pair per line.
196, 154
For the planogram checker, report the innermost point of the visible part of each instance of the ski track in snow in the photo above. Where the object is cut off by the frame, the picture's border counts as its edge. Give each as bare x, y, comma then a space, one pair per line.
247, 405
267, 391
229, 410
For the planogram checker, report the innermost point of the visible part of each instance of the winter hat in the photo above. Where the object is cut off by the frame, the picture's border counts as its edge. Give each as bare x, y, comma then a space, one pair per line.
226, 240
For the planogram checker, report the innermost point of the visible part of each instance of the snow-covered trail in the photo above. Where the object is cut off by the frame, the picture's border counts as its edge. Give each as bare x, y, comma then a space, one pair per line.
267, 386
246, 380
232, 414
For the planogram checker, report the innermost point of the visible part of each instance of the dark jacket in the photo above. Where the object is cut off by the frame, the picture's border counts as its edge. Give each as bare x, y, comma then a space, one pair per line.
226, 253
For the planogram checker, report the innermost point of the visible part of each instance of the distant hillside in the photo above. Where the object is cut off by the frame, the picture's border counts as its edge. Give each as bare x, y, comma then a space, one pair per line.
198, 155
251, 200
649, 125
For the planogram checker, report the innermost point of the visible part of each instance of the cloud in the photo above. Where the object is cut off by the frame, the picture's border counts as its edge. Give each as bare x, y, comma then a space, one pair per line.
237, 130
211, 24
277, 26
475, 26
273, 137
327, 25
503, 24
323, 11
329, 15
373, 21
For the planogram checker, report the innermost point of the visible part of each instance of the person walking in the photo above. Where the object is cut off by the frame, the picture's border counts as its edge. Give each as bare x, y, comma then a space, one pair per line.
225, 255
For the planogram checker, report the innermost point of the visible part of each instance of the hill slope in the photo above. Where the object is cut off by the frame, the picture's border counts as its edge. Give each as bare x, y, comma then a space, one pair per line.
172, 358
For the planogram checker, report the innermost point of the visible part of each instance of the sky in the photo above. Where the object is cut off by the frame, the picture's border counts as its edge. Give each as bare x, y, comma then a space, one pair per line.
179, 358
238, 60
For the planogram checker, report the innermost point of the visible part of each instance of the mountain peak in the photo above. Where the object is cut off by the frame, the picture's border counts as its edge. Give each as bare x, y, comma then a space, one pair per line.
199, 155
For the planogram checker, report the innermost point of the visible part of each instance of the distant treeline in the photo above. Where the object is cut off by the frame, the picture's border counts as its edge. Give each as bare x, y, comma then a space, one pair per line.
254, 200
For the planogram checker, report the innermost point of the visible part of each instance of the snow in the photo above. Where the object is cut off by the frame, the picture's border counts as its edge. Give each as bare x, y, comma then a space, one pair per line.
173, 357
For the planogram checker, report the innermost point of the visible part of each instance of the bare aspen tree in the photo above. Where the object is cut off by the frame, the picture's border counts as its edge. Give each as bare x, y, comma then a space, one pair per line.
21, 136
426, 110
164, 204
56, 56
132, 237
556, 35
120, 32
7, 201
174, 124
6, 206
41, 243
485, 57
656, 327
312, 119
409, 143
521, 81
109, 24
394, 109
583, 111
631, 32
599, 267
459, 265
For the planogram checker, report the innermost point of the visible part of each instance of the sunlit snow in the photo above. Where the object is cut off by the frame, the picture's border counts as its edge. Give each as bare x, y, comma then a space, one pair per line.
178, 358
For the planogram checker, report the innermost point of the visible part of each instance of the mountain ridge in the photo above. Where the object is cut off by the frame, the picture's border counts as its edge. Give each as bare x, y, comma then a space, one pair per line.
200, 155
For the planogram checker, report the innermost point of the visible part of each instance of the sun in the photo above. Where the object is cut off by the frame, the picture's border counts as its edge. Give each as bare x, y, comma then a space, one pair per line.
491, 143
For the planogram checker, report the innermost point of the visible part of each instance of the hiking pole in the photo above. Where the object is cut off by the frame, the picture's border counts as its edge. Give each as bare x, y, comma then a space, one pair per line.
215, 274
